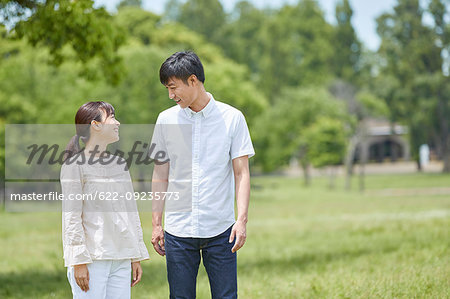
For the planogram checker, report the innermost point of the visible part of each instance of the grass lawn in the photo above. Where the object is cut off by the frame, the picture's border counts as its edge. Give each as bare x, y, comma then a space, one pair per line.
302, 243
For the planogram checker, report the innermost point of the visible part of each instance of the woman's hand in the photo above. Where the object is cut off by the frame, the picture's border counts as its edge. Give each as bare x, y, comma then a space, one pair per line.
81, 274
136, 269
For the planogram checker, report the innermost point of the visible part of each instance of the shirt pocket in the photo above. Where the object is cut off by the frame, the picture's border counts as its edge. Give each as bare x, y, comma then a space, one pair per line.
218, 150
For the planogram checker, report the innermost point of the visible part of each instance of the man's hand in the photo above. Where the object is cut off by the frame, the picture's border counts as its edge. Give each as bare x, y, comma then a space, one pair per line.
136, 269
81, 274
239, 231
160, 181
158, 240
242, 184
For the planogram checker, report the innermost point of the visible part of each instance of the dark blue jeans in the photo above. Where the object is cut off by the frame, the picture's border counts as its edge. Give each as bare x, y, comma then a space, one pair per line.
183, 259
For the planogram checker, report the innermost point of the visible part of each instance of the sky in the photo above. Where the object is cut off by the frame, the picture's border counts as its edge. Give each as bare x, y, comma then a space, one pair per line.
364, 13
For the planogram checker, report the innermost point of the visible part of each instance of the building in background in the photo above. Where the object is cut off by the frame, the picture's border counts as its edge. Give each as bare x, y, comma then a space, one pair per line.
384, 142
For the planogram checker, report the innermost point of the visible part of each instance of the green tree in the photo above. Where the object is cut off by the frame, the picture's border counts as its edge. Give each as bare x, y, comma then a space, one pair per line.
281, 131
290, 41
203, 16
362, 104
139, 24
327, 140
347, 47
125, 3
412, 54
240, 38
172, 10
88, 31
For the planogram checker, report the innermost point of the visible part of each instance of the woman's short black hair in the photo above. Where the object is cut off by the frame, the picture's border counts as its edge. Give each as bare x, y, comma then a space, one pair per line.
181, 65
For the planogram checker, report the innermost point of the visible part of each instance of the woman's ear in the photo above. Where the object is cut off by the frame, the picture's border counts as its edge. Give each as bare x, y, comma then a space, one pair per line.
96, 125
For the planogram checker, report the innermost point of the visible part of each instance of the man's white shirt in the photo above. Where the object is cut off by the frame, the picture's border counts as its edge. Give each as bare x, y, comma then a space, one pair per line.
219, 135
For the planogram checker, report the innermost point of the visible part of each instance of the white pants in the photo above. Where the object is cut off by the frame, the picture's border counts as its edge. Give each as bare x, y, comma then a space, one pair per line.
108, 279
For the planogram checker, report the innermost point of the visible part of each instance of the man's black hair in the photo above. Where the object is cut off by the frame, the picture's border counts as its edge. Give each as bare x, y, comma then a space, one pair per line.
181, 65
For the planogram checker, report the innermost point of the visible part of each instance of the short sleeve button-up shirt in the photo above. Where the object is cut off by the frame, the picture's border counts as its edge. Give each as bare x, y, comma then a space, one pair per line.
219, 135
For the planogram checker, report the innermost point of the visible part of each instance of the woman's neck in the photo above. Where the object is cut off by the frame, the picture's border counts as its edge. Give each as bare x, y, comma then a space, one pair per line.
95, 148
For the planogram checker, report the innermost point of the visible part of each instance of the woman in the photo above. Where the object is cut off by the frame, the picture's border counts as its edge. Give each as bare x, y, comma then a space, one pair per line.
102, 236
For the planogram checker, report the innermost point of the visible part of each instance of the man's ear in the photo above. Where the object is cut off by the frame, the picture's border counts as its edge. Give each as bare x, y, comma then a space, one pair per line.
193, 80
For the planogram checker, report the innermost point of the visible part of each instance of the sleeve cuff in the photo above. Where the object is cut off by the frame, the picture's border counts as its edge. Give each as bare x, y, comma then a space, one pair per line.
144, 253
249, 153
76, 255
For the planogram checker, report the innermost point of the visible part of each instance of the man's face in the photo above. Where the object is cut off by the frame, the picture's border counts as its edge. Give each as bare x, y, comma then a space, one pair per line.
183, 94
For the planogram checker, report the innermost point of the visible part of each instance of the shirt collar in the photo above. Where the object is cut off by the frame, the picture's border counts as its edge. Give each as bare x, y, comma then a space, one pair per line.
205, 112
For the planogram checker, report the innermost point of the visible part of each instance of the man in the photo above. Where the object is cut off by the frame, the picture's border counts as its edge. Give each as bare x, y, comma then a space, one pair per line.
221, 146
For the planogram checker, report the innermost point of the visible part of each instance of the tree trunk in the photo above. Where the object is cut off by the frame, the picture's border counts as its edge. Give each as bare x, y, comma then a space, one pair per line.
446, 154
349, 160
331, 183
306, 174
361, 177
445, 133
363, 154
2, 195
362, 163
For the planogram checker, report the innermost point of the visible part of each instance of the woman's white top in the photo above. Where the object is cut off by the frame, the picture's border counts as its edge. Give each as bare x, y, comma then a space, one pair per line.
100, 220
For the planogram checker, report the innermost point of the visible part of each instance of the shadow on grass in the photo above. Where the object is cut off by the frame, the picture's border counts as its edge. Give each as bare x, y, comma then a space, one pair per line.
34, 284
53, 284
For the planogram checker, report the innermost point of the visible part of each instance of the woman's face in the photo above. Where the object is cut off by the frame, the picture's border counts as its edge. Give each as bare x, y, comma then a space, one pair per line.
109, 128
